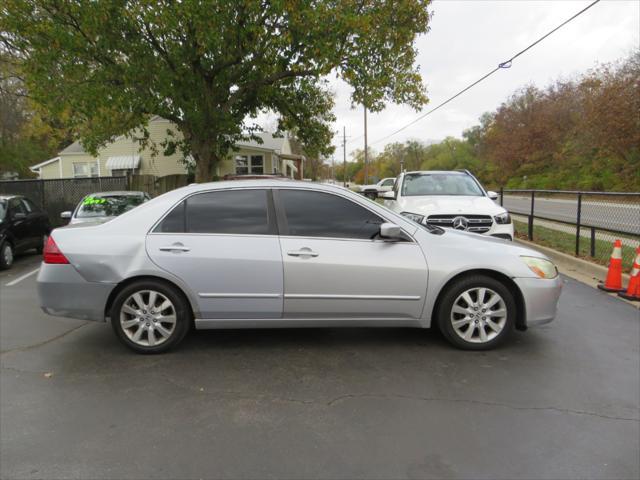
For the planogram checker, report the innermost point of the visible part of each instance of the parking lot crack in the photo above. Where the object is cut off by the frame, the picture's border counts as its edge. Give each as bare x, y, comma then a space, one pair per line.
238, 395
44, 342
346, 397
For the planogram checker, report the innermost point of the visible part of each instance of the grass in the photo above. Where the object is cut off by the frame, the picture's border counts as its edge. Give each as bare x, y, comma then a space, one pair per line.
566, 242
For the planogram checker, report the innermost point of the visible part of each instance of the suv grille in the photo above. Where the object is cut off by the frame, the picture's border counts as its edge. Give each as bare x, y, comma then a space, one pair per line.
470, 223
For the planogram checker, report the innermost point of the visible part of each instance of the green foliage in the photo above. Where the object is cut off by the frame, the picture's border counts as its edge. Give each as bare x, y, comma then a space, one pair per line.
27, 136
209, 65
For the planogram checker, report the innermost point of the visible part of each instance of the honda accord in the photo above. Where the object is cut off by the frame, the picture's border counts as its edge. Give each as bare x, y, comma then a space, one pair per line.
276, 253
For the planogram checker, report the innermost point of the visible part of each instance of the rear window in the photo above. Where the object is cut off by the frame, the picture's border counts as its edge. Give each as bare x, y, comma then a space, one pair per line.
108, 206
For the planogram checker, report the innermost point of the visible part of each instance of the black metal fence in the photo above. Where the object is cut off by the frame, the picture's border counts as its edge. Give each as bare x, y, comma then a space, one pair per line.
57, 195
582, 223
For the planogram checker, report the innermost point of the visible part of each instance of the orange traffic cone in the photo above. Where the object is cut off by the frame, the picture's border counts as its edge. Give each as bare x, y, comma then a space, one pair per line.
613, 283
633, 290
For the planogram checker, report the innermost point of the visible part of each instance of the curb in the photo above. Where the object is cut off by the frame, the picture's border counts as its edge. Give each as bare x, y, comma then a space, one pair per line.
578, 269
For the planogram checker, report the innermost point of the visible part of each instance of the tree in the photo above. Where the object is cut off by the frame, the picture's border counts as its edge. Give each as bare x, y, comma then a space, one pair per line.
209, 65
26, 135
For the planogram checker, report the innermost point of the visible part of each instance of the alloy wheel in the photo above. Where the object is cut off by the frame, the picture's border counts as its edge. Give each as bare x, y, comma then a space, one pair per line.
478, 315
148, 318
7, 255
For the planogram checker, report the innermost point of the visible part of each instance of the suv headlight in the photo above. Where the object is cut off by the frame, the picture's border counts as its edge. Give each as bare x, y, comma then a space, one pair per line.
414, 216
503, 218
541, 267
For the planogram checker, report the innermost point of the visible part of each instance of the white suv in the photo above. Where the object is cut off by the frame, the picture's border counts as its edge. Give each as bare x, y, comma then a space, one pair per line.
453, 199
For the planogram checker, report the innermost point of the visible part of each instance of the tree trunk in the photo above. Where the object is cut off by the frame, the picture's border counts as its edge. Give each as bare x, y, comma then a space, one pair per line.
206, 162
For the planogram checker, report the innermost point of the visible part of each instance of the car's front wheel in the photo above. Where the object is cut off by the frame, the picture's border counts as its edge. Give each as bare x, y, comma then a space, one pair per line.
150, 316
477, 313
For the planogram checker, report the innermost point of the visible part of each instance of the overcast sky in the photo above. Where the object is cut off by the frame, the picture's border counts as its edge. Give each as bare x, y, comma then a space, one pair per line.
469, 38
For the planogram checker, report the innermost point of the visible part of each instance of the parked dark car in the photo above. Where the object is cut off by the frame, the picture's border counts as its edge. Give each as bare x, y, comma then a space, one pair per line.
23, 226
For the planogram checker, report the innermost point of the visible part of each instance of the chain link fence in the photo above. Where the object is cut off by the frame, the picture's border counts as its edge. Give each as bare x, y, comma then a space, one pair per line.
57, 195
584, 224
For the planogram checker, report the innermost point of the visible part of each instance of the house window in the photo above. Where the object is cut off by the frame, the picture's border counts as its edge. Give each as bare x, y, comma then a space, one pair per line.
257, 164
85, 170
249, 164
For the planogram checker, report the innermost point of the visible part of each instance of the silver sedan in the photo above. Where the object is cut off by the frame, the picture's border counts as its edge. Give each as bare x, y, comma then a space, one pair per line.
274, 253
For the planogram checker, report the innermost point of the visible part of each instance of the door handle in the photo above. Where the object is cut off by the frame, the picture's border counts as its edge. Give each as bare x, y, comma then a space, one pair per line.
175, 248
303, 252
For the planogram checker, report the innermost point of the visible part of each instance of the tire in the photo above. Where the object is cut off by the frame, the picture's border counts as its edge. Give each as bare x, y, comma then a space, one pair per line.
474, 324
7, 256
154, 329
40, 249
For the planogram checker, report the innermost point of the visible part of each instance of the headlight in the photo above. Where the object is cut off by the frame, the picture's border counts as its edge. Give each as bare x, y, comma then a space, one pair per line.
503, 218
414, 216
541, 267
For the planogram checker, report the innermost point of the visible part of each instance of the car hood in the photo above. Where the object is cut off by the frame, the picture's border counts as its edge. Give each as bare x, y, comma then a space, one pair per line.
450, 204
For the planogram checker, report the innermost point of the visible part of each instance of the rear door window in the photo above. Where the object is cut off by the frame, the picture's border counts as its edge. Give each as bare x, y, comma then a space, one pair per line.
16, 206
29, 205
241, 212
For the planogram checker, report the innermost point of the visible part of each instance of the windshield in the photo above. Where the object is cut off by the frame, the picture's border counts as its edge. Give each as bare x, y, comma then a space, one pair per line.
3, 209
110, 206
439, 184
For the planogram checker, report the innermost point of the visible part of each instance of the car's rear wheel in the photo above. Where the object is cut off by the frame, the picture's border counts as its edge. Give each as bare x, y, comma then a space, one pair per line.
477, 313
6, 256
150, 316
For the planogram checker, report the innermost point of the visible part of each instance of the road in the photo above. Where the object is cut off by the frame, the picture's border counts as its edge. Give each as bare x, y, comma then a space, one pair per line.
604, 214
560, 401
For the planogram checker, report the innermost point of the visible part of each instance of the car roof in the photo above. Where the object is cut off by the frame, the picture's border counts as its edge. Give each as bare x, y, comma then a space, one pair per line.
437, 172
262, 183
9, 197
123, 193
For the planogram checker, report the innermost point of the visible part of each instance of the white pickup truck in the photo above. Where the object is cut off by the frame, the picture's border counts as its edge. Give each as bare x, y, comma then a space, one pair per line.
372, 191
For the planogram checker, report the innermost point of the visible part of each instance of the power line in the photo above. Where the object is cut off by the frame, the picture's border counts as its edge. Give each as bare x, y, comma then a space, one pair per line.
505, 64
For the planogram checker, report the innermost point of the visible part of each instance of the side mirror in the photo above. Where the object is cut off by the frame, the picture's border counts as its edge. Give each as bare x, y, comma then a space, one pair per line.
390, 195
391, 231
492, 195
66, 214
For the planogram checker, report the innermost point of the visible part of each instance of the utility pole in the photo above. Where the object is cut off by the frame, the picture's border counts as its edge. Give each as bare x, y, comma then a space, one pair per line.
344, 158
366, 148
333, 168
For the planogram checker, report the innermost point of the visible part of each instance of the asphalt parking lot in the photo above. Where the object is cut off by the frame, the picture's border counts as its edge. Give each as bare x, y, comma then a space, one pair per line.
560, 401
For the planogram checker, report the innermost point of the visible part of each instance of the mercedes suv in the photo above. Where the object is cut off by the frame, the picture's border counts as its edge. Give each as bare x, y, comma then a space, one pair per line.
453, 199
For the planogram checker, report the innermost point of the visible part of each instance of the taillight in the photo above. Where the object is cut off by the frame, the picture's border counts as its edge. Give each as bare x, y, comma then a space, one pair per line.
52, 254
